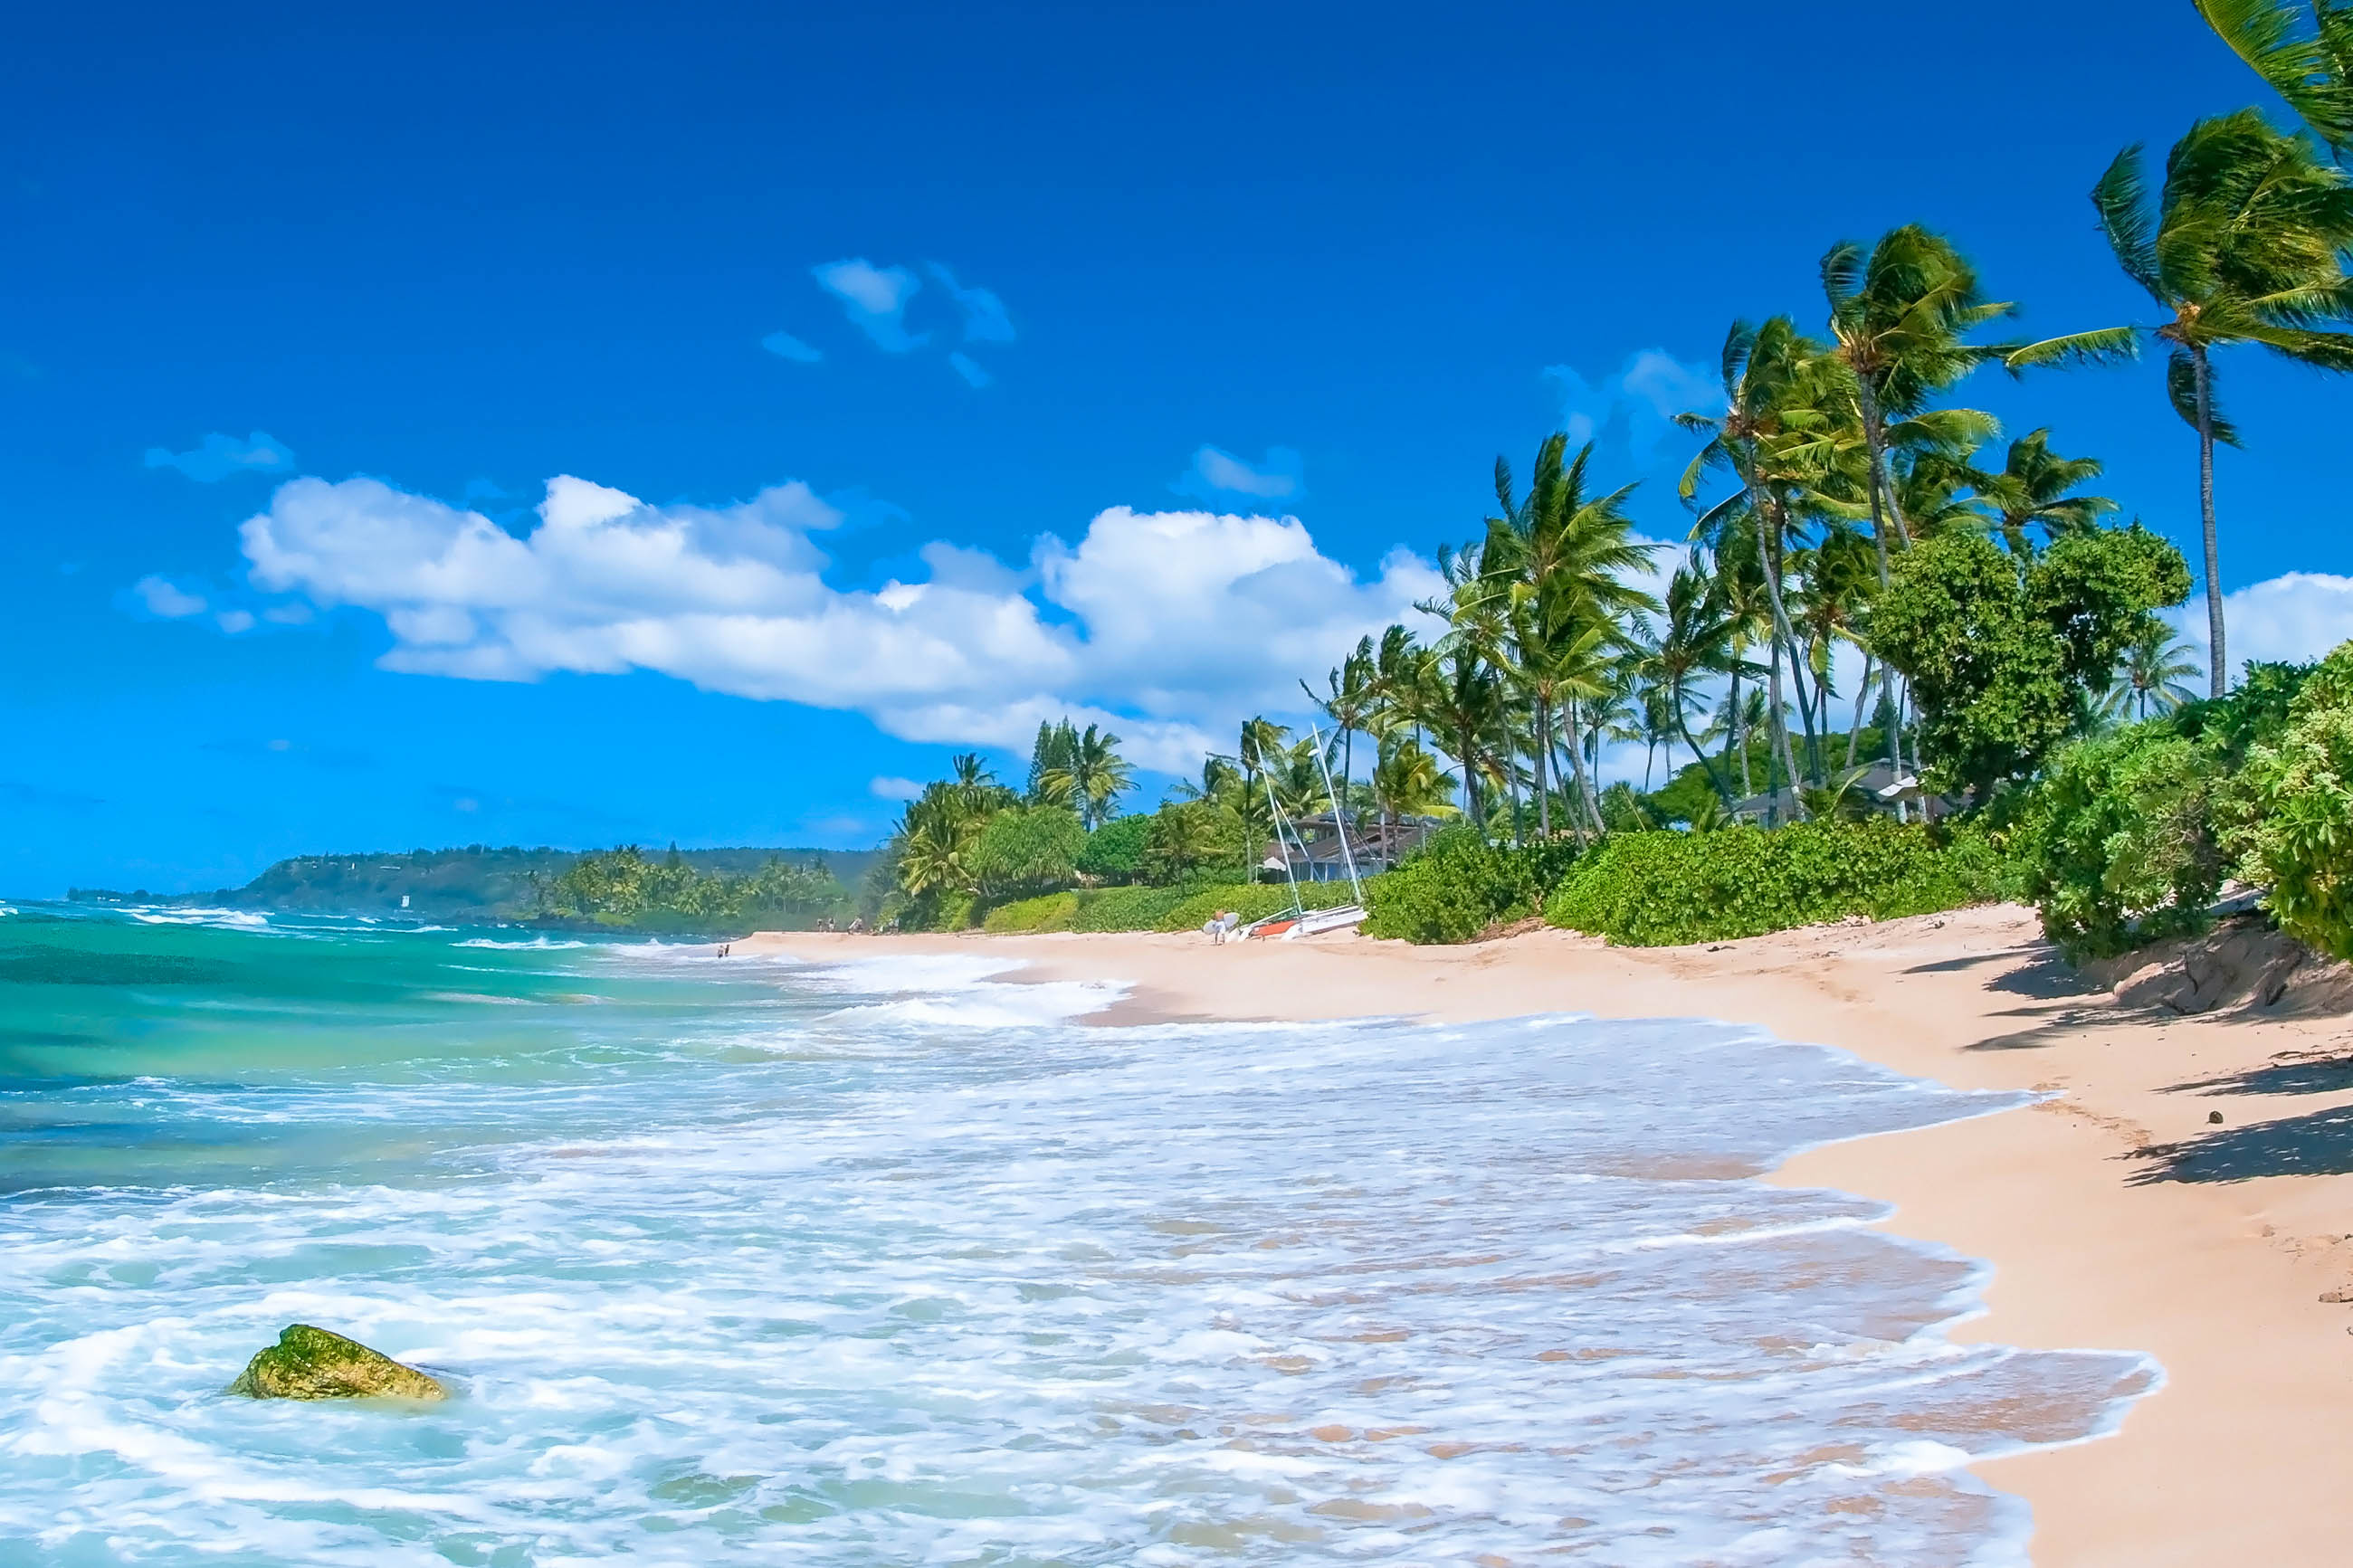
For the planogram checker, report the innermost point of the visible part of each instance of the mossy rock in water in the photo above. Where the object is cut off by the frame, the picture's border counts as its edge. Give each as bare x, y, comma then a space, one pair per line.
312, 1363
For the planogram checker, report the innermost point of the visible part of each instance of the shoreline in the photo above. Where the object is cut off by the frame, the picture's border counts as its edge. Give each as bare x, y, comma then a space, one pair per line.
2114, 1214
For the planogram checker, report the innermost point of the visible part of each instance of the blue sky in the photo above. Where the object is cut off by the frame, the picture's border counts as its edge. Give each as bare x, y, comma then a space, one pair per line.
836, 315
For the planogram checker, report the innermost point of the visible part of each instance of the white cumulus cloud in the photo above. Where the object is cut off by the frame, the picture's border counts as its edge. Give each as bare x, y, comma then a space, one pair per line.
2297, 617
1167, 626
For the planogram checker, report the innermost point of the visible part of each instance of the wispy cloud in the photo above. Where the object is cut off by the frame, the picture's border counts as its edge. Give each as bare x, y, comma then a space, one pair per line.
885, 787
1634, 410
985, 318
875, 298
217, 456
964, 366
1214, 472
784, 345
162, 596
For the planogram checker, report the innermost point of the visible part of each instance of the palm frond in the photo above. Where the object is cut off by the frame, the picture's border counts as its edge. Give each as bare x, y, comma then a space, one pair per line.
2099, 346
2121, 198
2181, 389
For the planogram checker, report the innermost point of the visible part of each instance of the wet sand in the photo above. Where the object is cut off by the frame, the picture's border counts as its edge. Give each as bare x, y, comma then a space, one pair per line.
2116, 1213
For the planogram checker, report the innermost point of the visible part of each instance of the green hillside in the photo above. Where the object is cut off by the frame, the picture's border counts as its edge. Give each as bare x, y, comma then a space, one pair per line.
474, 885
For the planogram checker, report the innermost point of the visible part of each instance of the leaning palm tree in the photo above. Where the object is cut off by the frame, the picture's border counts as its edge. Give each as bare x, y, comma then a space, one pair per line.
2035, 487
1766, 396
2308, 63
2246, 245
2150, 675
1901, 311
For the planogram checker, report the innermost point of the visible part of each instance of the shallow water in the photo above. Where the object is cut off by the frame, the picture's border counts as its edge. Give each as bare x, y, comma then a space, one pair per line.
747, 1261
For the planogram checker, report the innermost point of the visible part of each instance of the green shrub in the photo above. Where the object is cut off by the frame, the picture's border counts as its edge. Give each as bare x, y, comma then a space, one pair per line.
2119, 842
1052, 912
1457, 885
1114, 852
1125, 909
2295, 801
1657, 889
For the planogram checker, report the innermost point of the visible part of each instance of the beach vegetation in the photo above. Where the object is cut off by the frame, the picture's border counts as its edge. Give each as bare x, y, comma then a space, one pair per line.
1655, 889
628, 889
2293, 825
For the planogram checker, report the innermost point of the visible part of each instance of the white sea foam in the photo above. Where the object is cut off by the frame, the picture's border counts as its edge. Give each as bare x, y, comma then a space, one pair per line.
899, 1284
535, 944
233, 920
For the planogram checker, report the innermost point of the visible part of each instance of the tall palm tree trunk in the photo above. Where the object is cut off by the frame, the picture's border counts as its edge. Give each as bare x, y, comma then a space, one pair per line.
1723, 794
1854, 728
1576, 761
1782, 635
1780, 731
2216, 666
1543, 751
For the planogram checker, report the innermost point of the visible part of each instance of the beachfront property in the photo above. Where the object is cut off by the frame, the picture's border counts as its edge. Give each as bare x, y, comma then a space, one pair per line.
1319, 855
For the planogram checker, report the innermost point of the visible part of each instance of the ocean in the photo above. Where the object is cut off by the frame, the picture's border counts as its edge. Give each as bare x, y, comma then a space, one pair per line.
892, 1262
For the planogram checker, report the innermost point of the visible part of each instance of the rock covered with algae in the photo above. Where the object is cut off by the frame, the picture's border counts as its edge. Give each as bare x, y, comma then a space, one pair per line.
312, 1363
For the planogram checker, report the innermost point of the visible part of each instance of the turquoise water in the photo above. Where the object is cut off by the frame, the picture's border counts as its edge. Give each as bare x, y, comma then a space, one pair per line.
750, 1261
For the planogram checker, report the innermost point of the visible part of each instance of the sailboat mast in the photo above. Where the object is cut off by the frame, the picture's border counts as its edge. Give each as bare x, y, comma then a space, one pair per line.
1339, 823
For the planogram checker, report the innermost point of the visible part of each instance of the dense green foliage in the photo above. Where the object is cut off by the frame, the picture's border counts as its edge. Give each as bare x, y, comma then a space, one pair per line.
1458, 885
2006, 651
477, 884
1054, 911
1114, 852
2295, 821
2128, 837
1653, 889
2119, 841
1026, 850
625, 889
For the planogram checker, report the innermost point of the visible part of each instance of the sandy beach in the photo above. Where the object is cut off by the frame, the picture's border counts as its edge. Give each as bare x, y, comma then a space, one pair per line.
2120, 1214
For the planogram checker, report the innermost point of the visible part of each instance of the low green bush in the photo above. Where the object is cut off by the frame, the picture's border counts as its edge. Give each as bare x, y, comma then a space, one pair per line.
1458, 885
1125, 909
1659, 889
1053, 912
2295, 810
2119, 843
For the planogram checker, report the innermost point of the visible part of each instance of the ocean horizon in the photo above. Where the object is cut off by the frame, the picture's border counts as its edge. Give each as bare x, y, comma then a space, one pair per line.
893, 1260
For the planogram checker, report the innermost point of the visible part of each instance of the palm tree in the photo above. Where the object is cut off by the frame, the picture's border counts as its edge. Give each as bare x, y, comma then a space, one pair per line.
1695, 646
1766, 395
1560, 559
1351, 702
1900, 312
2245, 245
1092, 776
2311, 67
1406, 781
2033, 488
2150, 675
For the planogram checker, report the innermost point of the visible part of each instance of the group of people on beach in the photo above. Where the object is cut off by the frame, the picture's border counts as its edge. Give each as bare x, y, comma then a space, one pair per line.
857, 926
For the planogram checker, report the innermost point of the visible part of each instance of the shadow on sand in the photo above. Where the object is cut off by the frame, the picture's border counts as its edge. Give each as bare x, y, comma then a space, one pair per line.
2319, 1144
